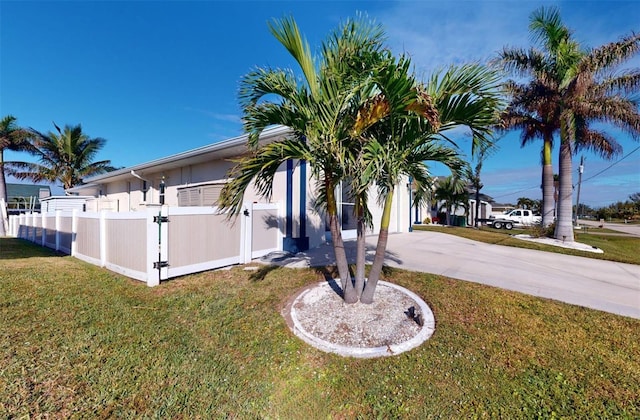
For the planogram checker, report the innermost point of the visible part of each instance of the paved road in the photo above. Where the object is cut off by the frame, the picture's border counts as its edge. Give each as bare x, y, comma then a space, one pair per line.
603, 285
620, 227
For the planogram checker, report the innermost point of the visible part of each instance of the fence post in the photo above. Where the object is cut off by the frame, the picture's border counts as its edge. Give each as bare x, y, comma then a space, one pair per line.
58, 227
246, 233
34, 229
157, 245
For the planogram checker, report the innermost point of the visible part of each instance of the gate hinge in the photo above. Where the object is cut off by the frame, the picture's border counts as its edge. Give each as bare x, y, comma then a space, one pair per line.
160, 219
160, 264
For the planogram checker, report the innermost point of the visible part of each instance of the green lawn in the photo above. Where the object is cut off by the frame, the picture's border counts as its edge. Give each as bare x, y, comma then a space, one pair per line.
616, 246
80, 341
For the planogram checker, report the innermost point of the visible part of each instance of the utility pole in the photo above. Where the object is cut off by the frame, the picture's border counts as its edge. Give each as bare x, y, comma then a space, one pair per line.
580, 170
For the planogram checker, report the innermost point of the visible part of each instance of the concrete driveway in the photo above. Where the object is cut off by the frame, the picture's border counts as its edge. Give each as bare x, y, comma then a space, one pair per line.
604, 285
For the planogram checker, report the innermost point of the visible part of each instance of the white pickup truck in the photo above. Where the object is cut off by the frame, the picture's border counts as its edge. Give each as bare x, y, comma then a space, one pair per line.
517, 218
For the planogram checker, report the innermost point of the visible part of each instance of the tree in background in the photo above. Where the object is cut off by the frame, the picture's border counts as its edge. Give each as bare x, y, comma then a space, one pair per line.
451, 192
14, 138
571, 89
535, 105
473, 175
65, 156
526, 203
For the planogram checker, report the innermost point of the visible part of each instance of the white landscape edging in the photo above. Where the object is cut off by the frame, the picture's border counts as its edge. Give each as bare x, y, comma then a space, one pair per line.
427, 330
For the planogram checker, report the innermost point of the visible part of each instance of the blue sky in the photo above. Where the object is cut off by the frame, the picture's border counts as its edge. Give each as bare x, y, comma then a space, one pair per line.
156, 78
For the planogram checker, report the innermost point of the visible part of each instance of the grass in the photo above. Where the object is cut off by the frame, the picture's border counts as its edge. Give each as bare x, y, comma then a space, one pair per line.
618, 247
79, 341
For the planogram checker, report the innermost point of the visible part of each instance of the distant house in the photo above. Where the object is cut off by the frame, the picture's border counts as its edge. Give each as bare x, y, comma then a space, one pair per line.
460, 216
499, 209
23, 198
196, 177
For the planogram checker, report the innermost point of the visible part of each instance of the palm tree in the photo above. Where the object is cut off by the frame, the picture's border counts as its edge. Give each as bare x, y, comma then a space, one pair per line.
12, 138
570, 89
596, 92
406, 123
452, 194
535, 106
66, 156
473, 175
319, 109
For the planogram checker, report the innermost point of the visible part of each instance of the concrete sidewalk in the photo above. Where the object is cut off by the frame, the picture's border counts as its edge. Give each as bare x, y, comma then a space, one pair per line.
597, 284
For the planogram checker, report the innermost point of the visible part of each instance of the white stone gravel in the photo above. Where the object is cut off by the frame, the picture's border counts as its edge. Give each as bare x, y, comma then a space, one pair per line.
321, 318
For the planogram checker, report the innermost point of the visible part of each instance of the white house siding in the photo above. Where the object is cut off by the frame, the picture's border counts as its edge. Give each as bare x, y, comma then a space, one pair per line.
210, 165
399, 220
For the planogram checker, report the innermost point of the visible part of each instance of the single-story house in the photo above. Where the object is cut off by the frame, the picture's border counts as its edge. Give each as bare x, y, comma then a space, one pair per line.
196, 177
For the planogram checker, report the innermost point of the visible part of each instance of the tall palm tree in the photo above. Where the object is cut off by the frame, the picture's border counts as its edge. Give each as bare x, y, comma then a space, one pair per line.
66, 157
570, 90
320, 109
14, 138
535, 106
596, 92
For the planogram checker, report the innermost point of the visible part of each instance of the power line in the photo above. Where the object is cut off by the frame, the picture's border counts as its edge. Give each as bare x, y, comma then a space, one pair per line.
613, 164
584, 180
517, 192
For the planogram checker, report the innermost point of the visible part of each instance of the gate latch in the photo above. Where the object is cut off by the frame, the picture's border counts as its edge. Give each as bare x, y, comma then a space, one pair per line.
160, 264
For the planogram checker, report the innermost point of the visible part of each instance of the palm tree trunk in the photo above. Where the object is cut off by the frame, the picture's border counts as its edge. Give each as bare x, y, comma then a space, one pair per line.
564, 224
348, 290
3, 191
360, 249
477, 209
548, 201
381, 248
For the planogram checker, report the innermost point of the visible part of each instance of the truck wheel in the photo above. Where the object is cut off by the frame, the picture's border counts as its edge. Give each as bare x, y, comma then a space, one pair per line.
497, 225
508, 226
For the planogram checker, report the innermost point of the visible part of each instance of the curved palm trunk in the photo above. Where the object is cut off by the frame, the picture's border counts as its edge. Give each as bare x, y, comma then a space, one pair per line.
381, 247
360, 249
548, 201
564, 224
338, 247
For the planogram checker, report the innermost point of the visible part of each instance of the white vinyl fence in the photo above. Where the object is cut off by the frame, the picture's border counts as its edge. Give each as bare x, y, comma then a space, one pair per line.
159, 243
